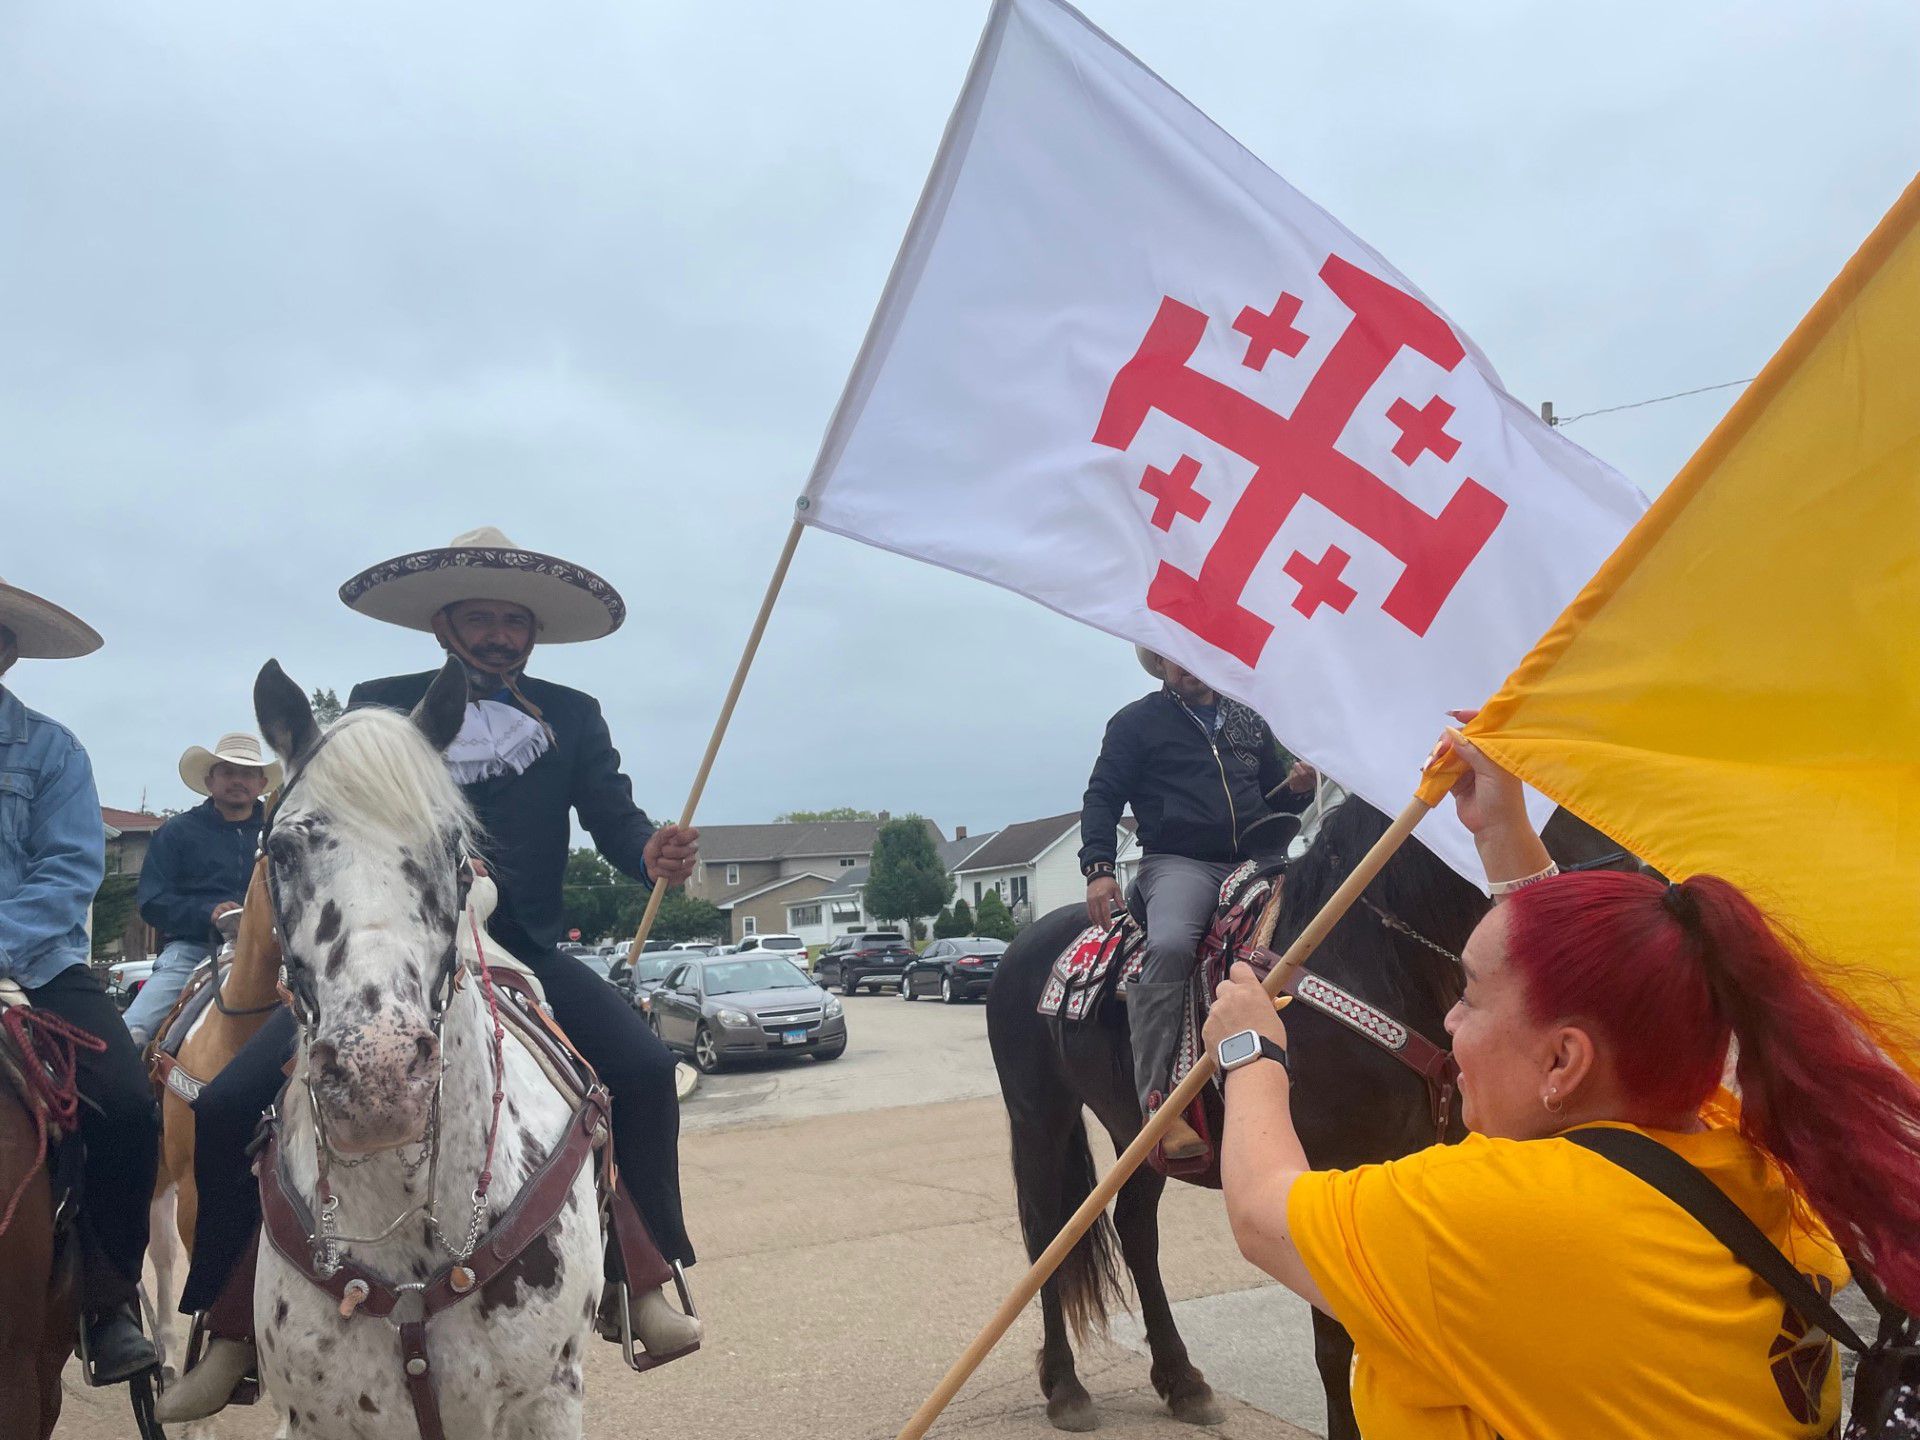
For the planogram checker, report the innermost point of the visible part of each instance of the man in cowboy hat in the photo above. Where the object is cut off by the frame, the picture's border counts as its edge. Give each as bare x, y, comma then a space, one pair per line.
1209, 787
52, 860
196, 871
530, 756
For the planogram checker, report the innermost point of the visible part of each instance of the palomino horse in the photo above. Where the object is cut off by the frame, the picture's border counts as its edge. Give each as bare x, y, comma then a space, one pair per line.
1353, 1103
412, 1292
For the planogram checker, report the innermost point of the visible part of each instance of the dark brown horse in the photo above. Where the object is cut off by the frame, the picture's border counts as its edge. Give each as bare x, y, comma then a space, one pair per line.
1353, 1103
37, 1295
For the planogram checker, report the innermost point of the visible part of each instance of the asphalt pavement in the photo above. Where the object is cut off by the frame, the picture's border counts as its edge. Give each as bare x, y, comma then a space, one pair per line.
856, 1228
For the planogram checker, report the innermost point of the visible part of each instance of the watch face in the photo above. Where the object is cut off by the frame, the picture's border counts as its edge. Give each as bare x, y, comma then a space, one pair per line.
1238, 1049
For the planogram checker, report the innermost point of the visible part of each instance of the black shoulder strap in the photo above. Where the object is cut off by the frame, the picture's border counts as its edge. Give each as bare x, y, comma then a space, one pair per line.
1693, 1192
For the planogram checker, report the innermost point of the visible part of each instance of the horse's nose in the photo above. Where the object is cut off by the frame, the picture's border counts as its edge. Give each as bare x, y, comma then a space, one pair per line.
324, 1056
426, 1052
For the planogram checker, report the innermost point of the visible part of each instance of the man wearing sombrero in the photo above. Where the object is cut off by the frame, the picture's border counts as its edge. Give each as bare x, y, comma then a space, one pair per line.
52, 860
530, 756
1208, 787
197, 867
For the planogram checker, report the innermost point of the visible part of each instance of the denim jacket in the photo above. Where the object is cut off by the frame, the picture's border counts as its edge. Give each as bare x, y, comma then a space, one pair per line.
53, 848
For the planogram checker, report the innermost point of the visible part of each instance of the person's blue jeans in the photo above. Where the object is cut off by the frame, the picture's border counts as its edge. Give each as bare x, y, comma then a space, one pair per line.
171, 971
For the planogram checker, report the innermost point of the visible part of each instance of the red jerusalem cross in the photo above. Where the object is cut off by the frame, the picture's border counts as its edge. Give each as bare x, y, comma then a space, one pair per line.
1174, 494
1422, 429
1295, 458
1270, 332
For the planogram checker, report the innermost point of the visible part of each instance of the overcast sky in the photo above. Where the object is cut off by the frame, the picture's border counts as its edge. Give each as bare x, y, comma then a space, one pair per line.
289, 289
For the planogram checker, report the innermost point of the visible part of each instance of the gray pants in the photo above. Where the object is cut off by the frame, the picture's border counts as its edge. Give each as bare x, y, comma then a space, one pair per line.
1179, 896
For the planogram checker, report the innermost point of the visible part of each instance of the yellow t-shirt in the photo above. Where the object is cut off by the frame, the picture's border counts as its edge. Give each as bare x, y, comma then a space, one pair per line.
1534, 1290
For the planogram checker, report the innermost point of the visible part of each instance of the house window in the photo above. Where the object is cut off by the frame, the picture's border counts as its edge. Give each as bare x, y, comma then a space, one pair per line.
803, 915
847, 862
1019, 884
845, 913
976, 892
733, 874
749, 925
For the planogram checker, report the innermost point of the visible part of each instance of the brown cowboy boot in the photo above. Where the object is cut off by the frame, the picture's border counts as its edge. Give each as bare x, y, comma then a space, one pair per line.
228, 1364
1180, 1141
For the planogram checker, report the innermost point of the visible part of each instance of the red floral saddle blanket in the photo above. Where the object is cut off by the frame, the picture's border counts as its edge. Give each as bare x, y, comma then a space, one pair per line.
1095, 969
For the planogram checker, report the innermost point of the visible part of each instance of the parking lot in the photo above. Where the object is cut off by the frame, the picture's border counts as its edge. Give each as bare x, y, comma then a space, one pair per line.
897, 1054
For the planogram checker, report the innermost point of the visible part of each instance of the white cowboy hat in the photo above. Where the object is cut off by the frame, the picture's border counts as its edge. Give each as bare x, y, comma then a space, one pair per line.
239, 748
44, 631
568, 602
1149, 662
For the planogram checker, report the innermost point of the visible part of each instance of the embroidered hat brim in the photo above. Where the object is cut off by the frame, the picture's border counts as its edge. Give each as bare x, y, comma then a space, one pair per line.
1149, 662
569, 602
42, 629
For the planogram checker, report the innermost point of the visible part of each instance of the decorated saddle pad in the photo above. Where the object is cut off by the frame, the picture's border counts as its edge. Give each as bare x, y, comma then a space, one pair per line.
1100, 963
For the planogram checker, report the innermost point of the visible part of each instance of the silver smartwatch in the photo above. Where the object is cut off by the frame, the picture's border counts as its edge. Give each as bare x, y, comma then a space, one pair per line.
1246, 1047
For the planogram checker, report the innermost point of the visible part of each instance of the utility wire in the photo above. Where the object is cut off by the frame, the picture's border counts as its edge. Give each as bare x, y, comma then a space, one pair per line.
1656, 400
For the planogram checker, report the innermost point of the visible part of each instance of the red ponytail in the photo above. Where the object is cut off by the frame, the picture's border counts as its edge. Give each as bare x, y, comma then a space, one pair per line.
1667, 975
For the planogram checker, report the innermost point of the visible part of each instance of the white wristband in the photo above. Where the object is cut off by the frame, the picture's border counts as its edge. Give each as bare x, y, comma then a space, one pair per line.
1506, 887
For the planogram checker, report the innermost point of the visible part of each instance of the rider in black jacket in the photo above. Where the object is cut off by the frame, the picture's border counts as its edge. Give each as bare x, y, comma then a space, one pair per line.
1209, 787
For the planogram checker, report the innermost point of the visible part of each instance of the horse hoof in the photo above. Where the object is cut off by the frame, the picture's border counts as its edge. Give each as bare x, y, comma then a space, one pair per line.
1197, 1407
1073, 1412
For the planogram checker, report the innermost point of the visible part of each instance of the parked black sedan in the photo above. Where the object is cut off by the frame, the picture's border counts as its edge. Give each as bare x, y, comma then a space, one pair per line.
721, 1008
955, 970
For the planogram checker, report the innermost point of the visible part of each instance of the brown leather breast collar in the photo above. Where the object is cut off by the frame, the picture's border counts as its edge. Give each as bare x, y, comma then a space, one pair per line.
290, 1227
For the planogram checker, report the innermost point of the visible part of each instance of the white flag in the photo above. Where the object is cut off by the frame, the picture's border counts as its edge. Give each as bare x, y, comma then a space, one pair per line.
1125, 369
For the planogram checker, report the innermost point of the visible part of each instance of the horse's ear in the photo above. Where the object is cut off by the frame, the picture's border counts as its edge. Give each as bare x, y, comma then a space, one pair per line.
443, 708
285, 717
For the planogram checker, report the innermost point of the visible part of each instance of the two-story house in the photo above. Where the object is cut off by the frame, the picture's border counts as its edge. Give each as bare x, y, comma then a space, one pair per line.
1035, 866
841, 908
754, 872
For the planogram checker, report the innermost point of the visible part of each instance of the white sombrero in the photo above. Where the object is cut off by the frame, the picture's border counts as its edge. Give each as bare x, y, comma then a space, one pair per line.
239, 748
570, 603
1149, 662
44, 631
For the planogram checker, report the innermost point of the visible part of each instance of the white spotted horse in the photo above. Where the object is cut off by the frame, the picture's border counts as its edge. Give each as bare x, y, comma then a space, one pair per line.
432, 1226
1372, 1078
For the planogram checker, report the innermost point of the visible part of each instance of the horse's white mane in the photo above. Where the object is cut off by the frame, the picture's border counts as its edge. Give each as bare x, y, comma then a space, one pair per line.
376, 771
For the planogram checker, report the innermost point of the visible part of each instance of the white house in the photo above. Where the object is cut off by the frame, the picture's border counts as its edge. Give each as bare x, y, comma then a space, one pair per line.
1035, 866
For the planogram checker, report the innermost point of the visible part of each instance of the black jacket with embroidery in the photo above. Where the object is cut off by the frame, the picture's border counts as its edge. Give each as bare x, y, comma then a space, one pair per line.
1219, 797
525, 817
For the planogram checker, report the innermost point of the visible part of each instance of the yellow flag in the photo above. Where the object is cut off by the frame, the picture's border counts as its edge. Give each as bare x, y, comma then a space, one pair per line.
1737, 691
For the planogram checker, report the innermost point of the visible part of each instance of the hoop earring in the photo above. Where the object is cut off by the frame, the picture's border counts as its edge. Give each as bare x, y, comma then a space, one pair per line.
1552, 1101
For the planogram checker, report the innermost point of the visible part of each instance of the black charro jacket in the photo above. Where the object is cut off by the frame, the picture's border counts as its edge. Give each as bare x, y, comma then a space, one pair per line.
1217, 798
525, 817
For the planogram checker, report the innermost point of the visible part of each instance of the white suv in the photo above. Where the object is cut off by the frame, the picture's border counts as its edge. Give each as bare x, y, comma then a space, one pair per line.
787, 947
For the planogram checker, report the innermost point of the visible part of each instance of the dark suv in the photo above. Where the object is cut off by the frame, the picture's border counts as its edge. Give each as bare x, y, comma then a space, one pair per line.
873, 959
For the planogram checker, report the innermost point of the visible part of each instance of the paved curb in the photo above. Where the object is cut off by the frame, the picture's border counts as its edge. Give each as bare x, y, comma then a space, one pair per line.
686, 1079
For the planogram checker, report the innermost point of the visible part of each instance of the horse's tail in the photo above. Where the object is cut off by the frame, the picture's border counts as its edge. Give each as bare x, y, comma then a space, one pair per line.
1088, 1281
1052, 1163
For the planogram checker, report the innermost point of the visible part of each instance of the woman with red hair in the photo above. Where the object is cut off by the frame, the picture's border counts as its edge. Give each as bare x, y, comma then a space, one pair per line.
1521, 1285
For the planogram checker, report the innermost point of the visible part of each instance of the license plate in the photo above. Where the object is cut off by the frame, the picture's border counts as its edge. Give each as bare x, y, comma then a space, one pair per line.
793, 1037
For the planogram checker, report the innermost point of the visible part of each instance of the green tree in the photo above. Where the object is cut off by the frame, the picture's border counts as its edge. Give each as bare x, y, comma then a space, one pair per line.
603, 904
907, 879
112, 909
839, 812
326, 706
943, 925
994, 920
962, 917
682, 917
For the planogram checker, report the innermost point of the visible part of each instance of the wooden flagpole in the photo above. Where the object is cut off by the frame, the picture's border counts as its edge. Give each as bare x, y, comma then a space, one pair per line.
720, 726
1135, 1154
